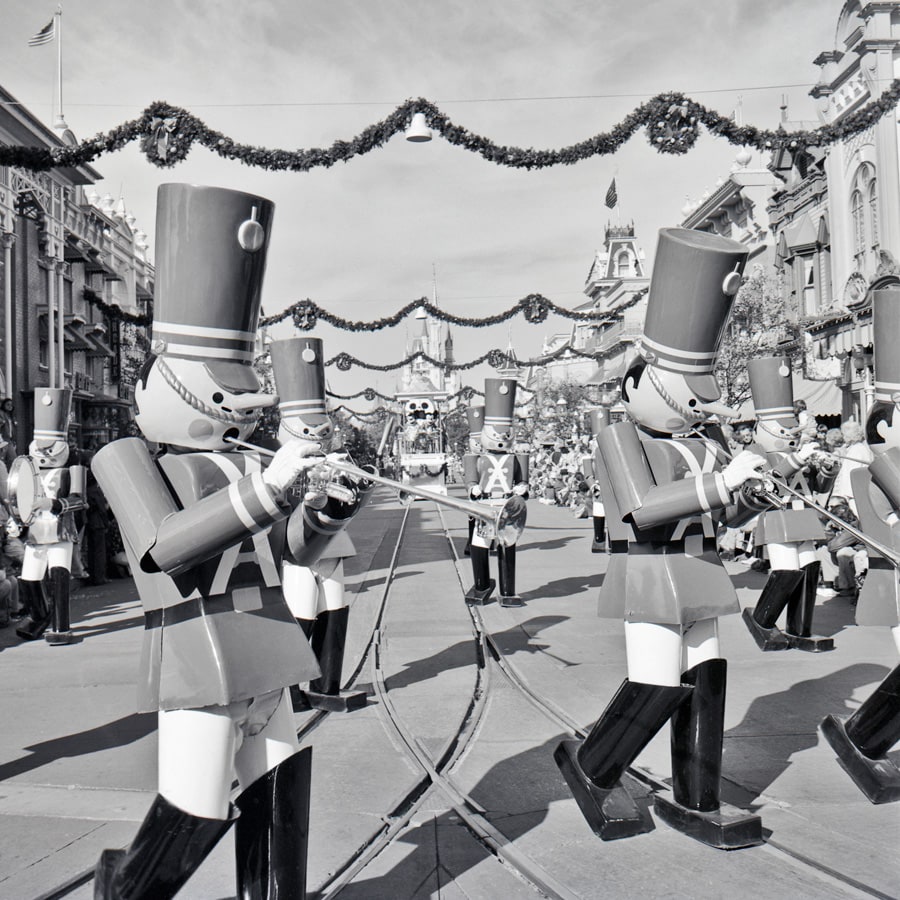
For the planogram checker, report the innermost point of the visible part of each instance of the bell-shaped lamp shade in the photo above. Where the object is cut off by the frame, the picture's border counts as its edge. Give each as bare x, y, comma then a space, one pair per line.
418, 130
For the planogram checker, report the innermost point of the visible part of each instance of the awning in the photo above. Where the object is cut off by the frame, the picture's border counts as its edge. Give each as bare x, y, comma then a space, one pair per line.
823, 398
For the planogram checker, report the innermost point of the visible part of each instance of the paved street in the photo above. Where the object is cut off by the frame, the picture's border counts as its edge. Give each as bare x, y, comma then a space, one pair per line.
77, 765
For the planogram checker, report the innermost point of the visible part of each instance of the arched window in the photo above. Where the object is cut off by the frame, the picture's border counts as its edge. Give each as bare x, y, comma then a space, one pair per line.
864, 216
623, 264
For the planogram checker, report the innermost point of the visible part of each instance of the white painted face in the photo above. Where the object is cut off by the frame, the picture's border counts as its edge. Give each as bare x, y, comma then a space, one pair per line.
316, 429
181, 403
772, 434
53, 457
675, 410
497, 439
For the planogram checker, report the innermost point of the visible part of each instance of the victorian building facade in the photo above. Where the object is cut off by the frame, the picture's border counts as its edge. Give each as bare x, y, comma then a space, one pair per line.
64, 248
838, 216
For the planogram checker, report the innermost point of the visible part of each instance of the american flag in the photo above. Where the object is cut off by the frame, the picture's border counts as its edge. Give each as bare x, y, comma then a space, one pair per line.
612, 198
44, 36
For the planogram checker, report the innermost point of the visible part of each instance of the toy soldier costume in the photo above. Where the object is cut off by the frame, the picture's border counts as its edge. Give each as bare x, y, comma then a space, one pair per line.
475, 419
598, 419
204, 528
789, 534
863, 741
313, 575
496, 474
58, 494
665, 494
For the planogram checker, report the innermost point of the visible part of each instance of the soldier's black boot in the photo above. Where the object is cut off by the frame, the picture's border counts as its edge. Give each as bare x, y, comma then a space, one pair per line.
782, 584
483, 586
506, 574
801, 608
599, 543
694, 806
593, 768
299, 701
329, 637
271, 837
467, 550
168, 848
60, 631
862, 742
38, 611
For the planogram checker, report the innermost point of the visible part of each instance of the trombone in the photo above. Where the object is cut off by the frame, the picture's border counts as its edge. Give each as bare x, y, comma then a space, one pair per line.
508, 521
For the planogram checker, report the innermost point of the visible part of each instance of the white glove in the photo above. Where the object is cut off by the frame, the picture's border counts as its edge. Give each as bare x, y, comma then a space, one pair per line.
744, 466
805, 451
475, 491
294, 457
521, 488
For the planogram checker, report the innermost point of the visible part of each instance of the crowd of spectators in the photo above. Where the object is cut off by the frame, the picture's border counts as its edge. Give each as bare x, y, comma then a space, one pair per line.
844, 558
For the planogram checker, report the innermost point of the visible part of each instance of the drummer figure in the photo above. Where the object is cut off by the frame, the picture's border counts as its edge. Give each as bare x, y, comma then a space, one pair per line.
46, 494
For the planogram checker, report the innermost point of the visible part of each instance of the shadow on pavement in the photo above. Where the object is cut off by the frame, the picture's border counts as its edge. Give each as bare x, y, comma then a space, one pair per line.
776, 726
117, 733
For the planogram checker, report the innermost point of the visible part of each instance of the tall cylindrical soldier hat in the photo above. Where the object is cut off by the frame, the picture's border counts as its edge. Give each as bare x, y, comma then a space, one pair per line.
51, 415
886, 329
298, 367
597, 420
211, 246
475, 418
772, 389
695, 278
499, 400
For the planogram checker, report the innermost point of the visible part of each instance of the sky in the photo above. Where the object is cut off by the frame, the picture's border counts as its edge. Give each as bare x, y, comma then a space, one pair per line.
363, 239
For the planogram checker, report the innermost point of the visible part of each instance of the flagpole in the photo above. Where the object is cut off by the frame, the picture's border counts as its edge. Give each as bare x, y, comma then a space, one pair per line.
60, 121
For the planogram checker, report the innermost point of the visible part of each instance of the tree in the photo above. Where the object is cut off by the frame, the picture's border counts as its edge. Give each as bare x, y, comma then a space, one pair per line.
759, 326
559, 409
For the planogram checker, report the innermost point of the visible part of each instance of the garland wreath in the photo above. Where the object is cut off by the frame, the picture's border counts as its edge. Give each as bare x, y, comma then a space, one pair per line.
672, 121
535, 308
497, 359
307, 314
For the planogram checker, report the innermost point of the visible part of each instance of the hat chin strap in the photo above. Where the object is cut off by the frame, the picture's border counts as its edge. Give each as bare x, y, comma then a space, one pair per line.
195, 402
689, 415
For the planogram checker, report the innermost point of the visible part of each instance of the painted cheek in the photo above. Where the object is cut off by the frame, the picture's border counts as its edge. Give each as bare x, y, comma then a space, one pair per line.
200, 429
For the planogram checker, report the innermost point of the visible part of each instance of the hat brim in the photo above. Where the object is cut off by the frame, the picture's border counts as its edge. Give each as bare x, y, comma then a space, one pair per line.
704, 386
233, 376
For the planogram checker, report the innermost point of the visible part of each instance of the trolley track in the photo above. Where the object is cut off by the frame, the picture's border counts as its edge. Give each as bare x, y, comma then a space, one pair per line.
437, 770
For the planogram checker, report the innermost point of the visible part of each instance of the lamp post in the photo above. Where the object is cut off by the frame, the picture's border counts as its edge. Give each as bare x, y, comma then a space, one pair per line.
8, 238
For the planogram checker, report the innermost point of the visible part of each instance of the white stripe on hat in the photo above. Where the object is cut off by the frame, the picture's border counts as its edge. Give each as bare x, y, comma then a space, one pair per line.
198, 352
205, 331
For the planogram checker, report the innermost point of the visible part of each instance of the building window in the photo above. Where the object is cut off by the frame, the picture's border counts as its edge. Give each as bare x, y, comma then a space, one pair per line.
809, 302
623, 264
864, 216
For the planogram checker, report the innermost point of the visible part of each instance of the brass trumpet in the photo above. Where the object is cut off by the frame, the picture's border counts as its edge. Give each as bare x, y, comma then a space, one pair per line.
508, 520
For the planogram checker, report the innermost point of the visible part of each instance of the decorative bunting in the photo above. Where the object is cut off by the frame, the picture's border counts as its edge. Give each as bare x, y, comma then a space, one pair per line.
672, 120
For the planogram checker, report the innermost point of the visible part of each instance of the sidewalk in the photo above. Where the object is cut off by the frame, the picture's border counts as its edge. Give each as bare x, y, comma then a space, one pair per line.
78, 766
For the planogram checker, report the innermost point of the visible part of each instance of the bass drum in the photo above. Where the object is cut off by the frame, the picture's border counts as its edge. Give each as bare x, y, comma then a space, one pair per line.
25, 489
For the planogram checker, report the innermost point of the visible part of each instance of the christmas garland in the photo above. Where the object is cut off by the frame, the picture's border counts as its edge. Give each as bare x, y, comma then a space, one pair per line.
535, 307
307, 314
497, 359
113, 312
672, 120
